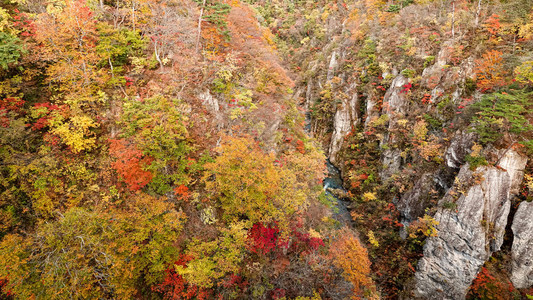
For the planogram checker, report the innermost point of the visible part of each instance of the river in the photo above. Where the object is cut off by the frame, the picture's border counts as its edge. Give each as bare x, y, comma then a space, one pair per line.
333, 181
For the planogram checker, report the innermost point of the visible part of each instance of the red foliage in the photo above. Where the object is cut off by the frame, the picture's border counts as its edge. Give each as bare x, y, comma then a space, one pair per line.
23, 23
406, 88
233, 285
44, 117
129, 164
487, 286
263, 239
129, 81
175, 287
9, 105
426, 99
3, 290
304, 241
278, 294
235, 281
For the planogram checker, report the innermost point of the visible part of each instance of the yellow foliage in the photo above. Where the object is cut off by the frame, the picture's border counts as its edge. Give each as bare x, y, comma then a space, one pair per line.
4, 20
420, 130
369, 196
372, 239
524, 72
75, 132
316, 296
373, 7
431, 149
526, 30
529, 182
245, 181
476, 150
425, 226
215, 259
123, 245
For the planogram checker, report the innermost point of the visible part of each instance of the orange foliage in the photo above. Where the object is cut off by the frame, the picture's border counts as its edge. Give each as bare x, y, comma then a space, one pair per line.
490, 73
68, 38
182, 192
349, 255
129, 164
492, 24
300, 146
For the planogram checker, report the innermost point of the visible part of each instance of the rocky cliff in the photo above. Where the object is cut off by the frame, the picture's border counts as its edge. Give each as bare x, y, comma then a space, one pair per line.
472, 219
407, 100
522, 250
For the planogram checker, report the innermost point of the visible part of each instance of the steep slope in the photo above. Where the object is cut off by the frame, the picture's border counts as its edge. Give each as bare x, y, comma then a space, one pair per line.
153, 149
406, 99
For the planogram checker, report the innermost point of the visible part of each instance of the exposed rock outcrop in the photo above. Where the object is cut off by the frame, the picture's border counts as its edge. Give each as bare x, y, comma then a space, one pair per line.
211, 103
414, 202
371, 109
459, 147
472, 219
522, 249
395, 100
345, 118
333, 64
441, 78
395, 104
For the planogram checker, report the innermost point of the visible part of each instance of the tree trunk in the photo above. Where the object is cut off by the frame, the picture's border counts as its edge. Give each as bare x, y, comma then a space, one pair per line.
133, 14
478, 12
453, 19
199, 27
157, 55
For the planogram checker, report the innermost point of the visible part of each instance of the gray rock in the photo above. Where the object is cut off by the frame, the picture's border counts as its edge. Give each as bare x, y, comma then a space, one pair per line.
460, 146
522, 249
395, 105
371, 109
392, 160
396, 100
441, 78
469, 233
333, 64
209, 101
211, 104
345, 117
514, 164
414, 202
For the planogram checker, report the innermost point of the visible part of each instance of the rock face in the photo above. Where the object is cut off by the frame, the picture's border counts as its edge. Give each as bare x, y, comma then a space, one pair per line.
211, 103
413, 203
333, 64
469, 230
395, 104
345, 117
459, 147
440, 78
394, 97
522, 250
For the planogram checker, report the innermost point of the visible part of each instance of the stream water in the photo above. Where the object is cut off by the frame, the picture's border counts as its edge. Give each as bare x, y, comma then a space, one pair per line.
334, 182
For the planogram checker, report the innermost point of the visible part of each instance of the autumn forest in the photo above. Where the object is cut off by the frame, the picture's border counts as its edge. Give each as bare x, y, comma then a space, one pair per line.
266, 149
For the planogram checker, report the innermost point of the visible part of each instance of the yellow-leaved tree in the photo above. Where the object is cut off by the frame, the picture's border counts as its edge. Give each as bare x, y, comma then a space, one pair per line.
87, 254
249, 184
